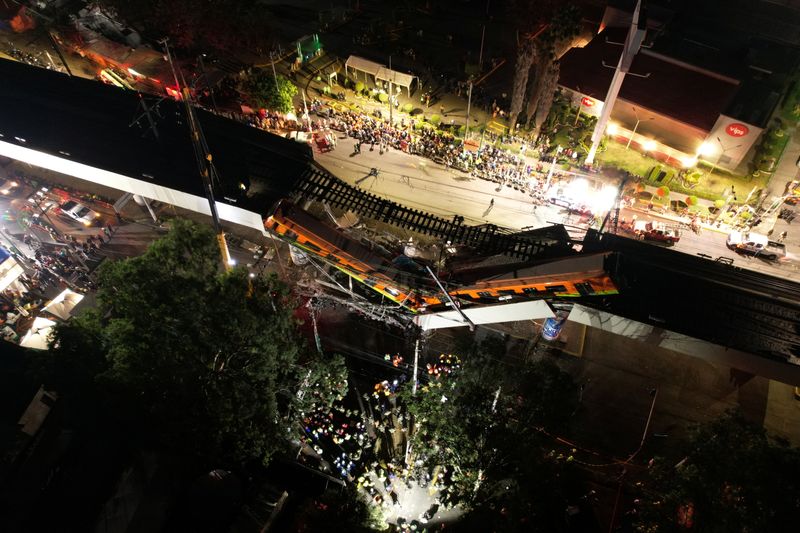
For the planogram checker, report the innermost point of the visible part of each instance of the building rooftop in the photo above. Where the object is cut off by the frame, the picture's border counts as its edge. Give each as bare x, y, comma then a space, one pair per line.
690, 95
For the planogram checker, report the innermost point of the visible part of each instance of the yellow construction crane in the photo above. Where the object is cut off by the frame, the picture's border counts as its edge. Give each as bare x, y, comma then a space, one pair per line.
203, 158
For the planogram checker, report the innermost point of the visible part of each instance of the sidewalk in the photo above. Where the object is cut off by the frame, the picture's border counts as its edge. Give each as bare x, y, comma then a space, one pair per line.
452, 109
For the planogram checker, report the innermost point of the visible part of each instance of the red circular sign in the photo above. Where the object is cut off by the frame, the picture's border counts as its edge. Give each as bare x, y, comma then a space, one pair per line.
737, 130
586, 101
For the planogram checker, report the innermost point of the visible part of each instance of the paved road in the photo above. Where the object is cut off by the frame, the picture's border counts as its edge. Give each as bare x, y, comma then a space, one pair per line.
712, 243
420, 183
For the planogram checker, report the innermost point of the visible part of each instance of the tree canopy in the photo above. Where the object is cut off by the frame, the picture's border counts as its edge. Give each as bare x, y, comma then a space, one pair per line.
263, 92
730, 477
200, 25
482, 424
338, 511
192, 357
547, 28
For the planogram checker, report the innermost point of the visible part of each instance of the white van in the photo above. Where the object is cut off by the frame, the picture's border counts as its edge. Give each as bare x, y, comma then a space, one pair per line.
755, 244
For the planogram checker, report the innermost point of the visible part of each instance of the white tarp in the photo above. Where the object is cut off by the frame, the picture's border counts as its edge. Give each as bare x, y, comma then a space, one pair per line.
39, 335
10, 270
486, 315
63, 304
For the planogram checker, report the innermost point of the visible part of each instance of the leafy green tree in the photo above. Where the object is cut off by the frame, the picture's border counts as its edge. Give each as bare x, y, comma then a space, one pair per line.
729, 477
482, 425
191, 357
339, 511
199, 25
263, 92
323, 384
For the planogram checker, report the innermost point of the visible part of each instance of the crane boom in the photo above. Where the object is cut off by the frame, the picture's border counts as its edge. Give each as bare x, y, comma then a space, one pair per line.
203, 158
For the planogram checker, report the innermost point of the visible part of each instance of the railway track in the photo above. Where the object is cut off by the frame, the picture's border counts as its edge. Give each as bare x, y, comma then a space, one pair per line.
487, 239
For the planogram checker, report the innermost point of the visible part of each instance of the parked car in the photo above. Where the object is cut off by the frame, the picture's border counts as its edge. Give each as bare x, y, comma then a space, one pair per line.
656, 231
79, 213
571, 206
755, 244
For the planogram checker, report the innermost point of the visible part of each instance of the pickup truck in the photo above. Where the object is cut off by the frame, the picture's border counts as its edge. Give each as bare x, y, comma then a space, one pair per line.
655, 231
755, 244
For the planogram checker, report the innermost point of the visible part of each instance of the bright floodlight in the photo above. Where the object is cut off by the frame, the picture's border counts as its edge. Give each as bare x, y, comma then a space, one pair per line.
689, 162
649, 145
612, 129
604, 200
705, 149
577, 189
232, 262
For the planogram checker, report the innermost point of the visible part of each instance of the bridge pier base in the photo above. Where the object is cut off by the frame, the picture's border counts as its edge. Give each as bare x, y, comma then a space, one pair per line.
141, 200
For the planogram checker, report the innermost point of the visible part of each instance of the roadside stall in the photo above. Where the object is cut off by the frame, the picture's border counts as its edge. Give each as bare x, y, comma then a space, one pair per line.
38, 336
62, 305
10, 292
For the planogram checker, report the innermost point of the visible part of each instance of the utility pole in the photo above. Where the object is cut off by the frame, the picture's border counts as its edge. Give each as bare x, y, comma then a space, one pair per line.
416, 364
631, 47
305, 110
469, 104
210, 89
551, 170
391, 93
480, 54
274, 74
203, 159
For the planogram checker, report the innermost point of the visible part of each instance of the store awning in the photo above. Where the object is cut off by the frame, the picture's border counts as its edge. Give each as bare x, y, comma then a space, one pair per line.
10, 270
61, 306
363, 65
38, 337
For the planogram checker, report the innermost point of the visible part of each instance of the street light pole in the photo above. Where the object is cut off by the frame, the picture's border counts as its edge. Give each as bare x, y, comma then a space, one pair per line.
635, 127
633, 133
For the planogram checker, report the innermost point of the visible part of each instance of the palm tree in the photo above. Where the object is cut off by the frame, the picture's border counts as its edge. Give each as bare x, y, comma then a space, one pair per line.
555, 26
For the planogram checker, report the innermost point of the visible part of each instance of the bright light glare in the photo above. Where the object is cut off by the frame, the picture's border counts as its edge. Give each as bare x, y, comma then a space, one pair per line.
603, 200
232, 262
612, 129
577, 189
689, 162
649, 145
705, 149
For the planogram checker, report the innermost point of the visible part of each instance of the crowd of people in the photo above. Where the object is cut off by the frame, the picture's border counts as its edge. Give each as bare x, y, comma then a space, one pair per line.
486, 162
50, 262
339, 433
